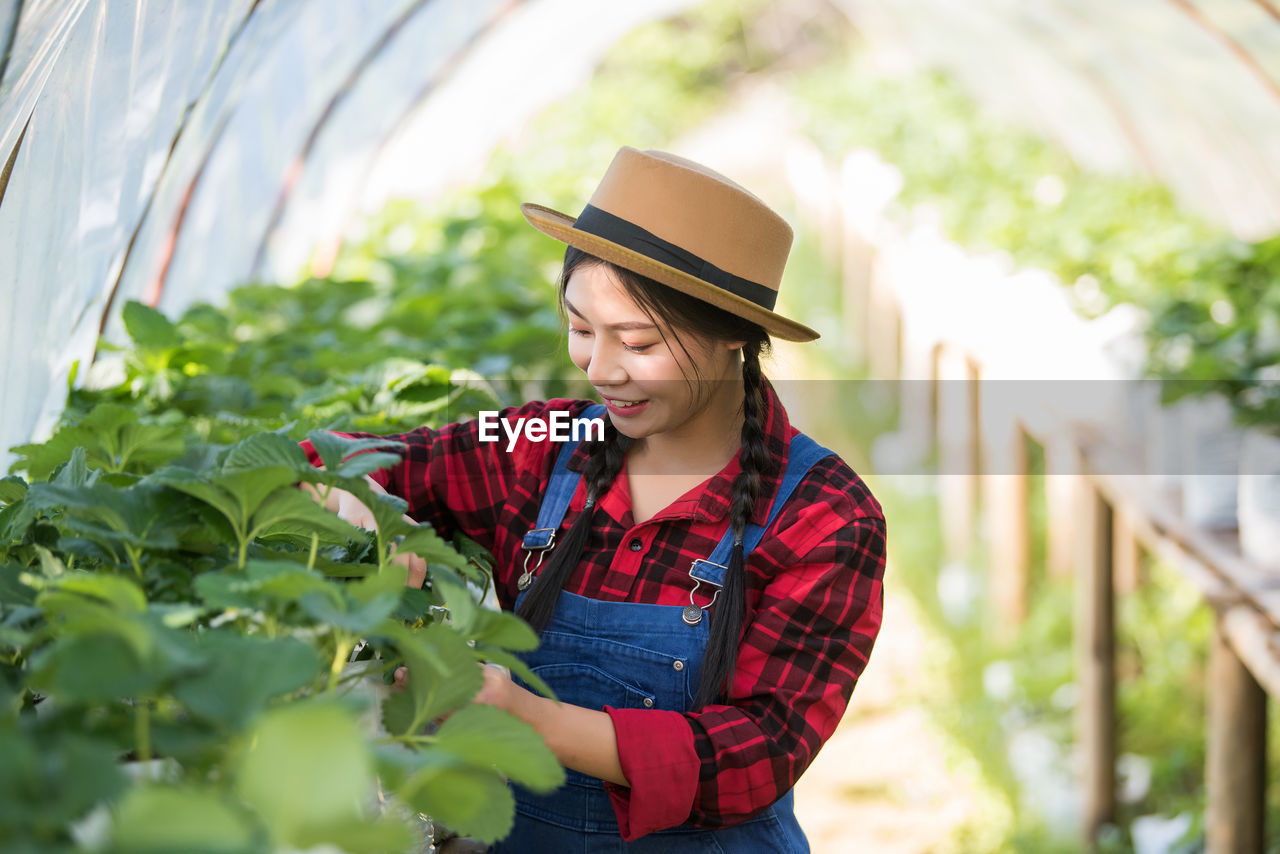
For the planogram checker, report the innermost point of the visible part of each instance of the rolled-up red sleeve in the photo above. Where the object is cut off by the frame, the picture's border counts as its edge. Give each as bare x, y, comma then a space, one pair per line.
455, 480
660, 762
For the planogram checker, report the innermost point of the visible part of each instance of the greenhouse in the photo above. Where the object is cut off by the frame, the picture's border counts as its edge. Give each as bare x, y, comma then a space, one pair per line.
292, 330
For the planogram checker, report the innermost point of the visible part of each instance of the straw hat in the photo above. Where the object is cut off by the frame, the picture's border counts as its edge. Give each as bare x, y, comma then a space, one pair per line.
690, 228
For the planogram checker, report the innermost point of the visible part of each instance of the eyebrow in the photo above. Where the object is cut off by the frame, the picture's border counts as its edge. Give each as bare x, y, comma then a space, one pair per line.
626, 325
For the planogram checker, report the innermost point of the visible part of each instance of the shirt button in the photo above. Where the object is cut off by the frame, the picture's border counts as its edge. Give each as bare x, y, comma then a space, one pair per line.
677, 665
648, 702
636, 545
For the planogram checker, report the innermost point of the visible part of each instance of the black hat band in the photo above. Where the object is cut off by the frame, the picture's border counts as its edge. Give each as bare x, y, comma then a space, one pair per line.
627, 234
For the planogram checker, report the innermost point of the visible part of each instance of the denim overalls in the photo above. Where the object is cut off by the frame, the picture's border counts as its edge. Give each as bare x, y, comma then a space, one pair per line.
634, 655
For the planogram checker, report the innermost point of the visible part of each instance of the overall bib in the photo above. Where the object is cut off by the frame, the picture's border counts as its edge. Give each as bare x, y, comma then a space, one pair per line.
641, 656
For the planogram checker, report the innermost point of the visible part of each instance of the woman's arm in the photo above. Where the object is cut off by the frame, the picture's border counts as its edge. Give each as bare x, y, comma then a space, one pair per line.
804, 646
582, 739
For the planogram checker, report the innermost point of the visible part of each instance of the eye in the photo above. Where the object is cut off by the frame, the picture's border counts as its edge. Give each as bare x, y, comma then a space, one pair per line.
576, 331
639, 349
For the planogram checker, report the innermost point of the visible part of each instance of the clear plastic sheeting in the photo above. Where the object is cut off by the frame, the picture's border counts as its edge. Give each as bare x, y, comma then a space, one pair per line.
1186, 91
284, 111
100, 115
165, 142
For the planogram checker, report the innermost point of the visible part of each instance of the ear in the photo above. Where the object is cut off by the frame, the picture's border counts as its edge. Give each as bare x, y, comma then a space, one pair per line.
735, 345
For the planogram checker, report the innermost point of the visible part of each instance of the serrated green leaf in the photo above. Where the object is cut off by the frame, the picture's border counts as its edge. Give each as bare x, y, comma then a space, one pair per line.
350, 614
12, 488
457, 598
90, 668
500, 628
305, 766
244, 674
398, 712
148, 328
362, 836
431, 547
491, 738
52, 776
120, 592
464, 798
443, 674
13, 590
334, 450
264, 451
187, 820
291, 511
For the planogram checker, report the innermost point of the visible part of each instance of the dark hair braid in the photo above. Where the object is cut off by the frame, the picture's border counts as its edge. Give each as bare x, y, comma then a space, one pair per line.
686, 313
721, 655
605, 462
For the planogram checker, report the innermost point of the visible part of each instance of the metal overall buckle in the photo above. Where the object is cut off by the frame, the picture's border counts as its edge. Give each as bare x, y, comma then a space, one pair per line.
699, 572
538, 540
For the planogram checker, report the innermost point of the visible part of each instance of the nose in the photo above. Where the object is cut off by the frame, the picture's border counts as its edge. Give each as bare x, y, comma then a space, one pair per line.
605, 368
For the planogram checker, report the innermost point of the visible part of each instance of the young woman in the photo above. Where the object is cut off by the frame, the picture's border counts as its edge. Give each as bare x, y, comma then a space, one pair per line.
705, 579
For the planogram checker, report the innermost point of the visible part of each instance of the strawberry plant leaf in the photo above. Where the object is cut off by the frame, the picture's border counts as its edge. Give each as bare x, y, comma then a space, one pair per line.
304, 767
264, 451
12, 489
443, 675
491, 738
155, 819
503, 629
467, 799
334, 449
148, 328
245, 673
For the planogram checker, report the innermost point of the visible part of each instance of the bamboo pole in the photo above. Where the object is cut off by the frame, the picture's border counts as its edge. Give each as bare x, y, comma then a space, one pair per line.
1005, 511
1095, 663
957, 435
1235, 765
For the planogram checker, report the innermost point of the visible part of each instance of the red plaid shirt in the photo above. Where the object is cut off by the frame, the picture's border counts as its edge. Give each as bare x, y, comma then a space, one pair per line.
814, 601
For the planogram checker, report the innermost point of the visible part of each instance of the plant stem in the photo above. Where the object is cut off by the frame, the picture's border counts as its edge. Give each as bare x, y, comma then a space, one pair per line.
133, 559
142, 729
411, 739
244, 550
342, 649
311, 558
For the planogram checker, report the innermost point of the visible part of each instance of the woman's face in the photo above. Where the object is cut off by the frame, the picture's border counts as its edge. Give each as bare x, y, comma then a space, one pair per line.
638, 368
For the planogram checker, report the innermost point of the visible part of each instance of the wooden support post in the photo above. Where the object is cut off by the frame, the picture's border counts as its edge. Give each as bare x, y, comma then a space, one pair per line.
1095, 663
957, 434
1005, 514
884, 328
1062, 483
1128, 554
1235, 767
858, 257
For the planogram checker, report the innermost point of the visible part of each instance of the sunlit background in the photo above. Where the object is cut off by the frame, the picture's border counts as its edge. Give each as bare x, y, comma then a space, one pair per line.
1013, 221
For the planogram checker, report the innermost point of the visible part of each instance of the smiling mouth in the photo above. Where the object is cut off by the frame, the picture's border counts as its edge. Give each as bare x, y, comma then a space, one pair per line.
623, 404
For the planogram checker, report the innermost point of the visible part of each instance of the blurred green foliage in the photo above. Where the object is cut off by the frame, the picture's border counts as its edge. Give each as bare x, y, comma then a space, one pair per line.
1213, 301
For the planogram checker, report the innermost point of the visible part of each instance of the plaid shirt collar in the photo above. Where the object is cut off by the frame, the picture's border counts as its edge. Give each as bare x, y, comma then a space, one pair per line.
714, 499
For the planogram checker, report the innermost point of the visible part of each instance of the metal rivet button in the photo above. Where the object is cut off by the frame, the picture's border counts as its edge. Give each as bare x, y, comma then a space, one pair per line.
677, 664
636, 545
648, 702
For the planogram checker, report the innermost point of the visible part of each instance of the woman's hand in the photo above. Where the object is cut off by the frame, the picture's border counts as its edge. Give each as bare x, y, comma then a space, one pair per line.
498, 689
352, 510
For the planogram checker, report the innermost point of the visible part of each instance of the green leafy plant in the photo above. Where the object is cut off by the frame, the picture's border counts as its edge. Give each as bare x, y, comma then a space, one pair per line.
207, 616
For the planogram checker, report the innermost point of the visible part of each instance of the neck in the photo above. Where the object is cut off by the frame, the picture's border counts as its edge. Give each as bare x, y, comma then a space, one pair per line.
705, 443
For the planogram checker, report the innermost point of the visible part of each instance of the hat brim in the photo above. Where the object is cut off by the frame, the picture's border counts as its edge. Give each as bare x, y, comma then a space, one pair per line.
561, 227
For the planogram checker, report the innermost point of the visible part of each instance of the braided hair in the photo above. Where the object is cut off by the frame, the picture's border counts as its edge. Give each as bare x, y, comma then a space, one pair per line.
681, 312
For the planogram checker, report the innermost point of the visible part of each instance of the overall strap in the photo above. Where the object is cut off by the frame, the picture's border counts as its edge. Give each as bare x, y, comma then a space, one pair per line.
559, 492
801, 456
